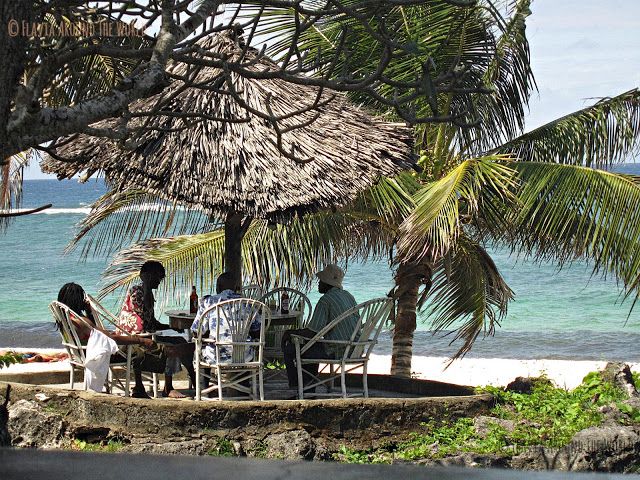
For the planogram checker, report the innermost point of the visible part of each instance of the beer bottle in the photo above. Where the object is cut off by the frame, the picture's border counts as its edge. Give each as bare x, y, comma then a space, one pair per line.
193, 301
284, 302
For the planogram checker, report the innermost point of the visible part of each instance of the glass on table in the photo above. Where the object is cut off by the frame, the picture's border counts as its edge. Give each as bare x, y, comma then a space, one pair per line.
273, 306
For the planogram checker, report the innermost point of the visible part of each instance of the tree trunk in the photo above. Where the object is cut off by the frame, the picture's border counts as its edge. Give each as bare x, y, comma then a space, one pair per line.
13, 52
408, 279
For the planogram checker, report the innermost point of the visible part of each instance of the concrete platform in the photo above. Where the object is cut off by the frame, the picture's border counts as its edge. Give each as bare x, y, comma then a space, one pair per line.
56, 374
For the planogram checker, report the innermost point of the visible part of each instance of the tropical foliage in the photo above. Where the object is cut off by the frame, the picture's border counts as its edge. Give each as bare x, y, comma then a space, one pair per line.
539, 193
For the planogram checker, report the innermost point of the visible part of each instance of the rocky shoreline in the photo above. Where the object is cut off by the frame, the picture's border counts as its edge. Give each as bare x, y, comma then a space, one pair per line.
49, 418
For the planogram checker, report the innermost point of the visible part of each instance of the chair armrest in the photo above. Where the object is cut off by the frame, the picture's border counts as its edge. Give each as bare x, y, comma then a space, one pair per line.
228, 344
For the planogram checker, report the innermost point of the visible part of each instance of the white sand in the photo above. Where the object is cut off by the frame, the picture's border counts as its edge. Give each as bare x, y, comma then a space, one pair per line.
494, 371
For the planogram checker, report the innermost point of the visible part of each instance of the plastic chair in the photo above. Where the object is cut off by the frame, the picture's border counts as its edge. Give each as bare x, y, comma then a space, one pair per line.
299, 302
107, 321
356, 350
232, 367
254, 292
62, 315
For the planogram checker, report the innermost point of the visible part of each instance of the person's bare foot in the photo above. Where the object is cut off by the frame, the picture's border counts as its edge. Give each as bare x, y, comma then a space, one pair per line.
174, 394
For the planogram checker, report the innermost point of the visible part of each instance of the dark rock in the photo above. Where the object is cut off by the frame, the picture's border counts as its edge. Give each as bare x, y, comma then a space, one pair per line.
611, 415
620, 375
600, 449
31, 426
483, 424
178, 446
469, 460
292, 445
5, 438
525, 384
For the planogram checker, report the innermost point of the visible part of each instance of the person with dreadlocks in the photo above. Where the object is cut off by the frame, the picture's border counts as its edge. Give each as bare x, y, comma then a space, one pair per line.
138, 316
73, 296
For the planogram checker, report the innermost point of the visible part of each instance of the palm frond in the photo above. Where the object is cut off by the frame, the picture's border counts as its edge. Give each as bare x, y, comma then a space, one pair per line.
571, 212
273, 255
598, 136
435, 224
511, 78
11, 176
119, 218
90, 75
467, 287
437, 33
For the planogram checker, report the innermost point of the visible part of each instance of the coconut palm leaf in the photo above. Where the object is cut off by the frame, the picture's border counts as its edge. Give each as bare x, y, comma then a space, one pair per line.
272, 254
511, 78
431, 32
597, 136
467, 287
119, 218
494, 51
90, 75
570, 212
11, 175
435, 224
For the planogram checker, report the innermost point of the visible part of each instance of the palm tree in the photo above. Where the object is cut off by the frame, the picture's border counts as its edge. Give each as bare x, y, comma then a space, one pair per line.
545, 193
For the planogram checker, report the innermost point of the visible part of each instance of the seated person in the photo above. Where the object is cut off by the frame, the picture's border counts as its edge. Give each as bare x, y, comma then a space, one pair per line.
137, 316
334, 301
147, 355
226, 290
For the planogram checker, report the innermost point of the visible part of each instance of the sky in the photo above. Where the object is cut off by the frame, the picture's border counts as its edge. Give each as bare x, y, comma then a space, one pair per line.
581, 50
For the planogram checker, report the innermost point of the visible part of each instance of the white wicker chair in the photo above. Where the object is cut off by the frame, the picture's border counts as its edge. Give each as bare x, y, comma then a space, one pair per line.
238, 314
298, 301
371, 315
107, 321
76, 350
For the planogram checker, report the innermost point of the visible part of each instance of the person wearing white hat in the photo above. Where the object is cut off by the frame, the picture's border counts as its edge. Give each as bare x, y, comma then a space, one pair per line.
334, 301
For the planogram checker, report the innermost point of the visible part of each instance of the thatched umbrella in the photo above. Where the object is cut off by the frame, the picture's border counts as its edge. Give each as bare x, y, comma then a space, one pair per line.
234, 168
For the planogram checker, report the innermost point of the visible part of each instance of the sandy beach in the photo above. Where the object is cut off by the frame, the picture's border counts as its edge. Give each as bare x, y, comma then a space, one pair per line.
495, 371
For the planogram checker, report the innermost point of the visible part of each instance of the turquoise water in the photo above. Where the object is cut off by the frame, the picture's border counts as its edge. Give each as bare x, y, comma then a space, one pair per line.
556, 314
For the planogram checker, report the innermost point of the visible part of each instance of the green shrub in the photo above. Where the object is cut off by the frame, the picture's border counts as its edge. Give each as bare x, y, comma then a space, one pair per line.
9, 358
111, 446
548, 416
223, 448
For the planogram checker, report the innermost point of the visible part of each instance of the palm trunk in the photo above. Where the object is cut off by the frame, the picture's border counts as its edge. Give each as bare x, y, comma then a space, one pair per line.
408, 279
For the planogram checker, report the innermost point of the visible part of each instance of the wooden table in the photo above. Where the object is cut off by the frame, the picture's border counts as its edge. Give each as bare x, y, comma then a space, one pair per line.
181, 319
289, 319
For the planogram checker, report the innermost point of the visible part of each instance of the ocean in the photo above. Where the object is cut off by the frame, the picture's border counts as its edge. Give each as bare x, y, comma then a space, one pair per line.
557, 314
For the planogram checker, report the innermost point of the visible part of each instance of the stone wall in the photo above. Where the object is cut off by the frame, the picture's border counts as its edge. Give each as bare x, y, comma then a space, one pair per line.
50, 418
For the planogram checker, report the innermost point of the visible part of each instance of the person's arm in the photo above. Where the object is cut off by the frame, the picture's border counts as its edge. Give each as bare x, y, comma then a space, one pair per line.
198, 319
146, 342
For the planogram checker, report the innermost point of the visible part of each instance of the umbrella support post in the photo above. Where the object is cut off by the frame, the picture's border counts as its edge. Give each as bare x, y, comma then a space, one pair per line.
234, 230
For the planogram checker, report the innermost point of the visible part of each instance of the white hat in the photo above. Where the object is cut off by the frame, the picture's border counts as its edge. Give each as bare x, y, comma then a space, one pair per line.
331, 275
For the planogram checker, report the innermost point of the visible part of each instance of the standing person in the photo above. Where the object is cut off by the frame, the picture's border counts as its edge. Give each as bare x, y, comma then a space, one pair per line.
138, 316
147, 355
333, 302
